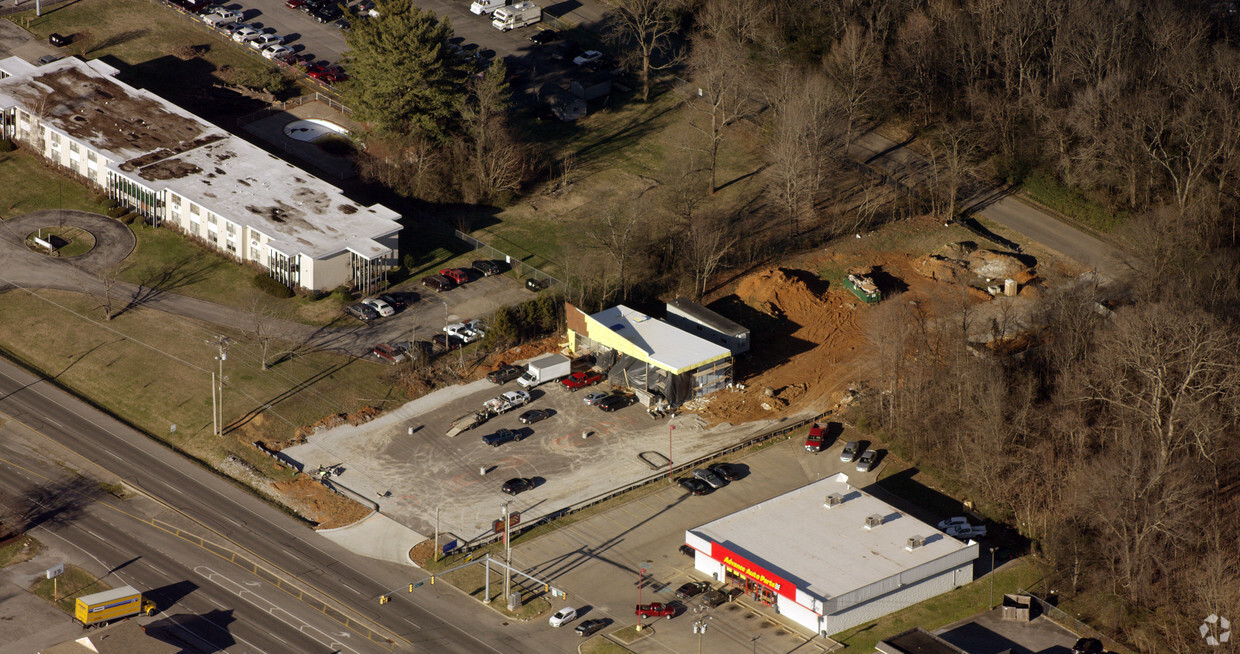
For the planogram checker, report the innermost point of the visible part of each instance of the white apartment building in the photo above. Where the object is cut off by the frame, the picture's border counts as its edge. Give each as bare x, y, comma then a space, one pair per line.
179, 170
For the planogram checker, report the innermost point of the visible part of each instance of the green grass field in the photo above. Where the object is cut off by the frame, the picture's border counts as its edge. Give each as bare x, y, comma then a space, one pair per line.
74, 583
29, 186
21, 549
153, 370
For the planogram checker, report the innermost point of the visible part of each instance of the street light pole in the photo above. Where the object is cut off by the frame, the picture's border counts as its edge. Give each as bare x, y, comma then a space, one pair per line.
641, 576
992, 579
507, 551
670, 428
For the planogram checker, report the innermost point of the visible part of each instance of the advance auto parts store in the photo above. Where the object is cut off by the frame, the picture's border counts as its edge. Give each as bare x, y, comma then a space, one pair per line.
830, 557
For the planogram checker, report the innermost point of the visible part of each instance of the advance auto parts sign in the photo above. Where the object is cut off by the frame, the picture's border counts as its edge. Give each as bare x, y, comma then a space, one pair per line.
745, 568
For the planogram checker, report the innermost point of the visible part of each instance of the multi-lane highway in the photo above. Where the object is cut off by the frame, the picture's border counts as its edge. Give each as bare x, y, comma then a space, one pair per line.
433, 619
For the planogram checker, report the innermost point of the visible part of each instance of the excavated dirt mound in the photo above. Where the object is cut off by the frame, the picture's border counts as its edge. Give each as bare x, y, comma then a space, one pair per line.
940, 268
318, 504
995, 265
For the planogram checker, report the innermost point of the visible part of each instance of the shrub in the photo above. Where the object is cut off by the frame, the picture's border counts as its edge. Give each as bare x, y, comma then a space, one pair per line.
268, 285
117, 212
341, 294
128, 218
6, 145
107, 203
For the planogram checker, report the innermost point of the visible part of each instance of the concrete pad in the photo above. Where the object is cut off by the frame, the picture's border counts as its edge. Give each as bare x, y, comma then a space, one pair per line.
378, 537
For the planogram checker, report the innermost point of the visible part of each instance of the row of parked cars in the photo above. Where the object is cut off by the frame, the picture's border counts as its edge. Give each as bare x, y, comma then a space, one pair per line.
710, 478
381, 306
450, 278
853, 452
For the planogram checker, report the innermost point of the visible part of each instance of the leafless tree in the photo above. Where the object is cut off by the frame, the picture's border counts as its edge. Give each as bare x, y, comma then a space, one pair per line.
952, 153
106, 297
853, 65
708, 239
498, 159
258, 328
646, 31
721, 94
619, 231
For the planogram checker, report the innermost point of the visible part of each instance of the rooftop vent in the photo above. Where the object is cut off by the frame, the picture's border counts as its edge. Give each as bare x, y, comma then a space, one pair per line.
834, 499
872, 521
914, 542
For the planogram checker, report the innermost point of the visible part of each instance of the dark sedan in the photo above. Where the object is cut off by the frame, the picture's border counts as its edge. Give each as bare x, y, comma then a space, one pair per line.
694, 486
534, 415
725, 471
614, 402
692, 589
588, 627
362, 312
517, 485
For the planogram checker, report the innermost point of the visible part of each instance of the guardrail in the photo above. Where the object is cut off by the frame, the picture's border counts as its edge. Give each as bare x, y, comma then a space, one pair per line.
783, 431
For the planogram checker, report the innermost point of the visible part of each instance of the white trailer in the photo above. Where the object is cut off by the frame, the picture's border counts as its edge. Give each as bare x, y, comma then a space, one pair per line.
518, 15
486, 6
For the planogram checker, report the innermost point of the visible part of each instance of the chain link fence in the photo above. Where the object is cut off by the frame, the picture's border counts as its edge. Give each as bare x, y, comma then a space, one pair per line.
520, 268
1060, 617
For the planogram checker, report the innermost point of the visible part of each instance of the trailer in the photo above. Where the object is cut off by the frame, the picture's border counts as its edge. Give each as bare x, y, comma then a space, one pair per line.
864, 288
507, 402
468, 422
115, 604
514, 16
486, 6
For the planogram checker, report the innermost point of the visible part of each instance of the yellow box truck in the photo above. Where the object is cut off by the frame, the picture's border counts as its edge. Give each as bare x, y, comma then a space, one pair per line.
111, 605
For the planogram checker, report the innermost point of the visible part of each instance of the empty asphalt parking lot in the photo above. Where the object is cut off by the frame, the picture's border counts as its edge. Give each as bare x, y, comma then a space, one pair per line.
426, 471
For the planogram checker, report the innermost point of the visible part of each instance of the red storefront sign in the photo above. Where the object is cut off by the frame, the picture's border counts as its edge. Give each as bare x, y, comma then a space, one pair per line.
746, 568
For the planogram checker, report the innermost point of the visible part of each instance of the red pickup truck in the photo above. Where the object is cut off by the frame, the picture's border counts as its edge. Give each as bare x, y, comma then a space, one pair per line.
655, 610
814, 442
581, 380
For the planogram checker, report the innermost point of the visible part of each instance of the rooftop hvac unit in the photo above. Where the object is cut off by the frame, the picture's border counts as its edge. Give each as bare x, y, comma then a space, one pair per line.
914, 542
872, 521
834, 499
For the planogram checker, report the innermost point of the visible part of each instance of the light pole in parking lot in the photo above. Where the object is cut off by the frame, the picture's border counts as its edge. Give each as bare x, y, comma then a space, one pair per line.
670, 429
641, 577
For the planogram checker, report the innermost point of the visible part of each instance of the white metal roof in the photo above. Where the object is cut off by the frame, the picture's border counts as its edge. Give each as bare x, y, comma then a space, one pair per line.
161, 145
828, 551
664, 344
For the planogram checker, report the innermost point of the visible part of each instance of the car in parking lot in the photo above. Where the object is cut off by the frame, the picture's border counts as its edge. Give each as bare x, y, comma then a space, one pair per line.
343, 25
692, 589
966, 531
694, 486
382, 307
246, 33
389, 353
502, 436
716, 597
447, 341
437, 282
505, 374
263, 40
517, 485
850, 451
277, 51
232, 28
614, 402
953, 522
596, 397
326, 74
688, 551
709, 477
455, 274
327, 14
362, 312
294, 4
566, 50
533, 415
724, 471
397, 301
587, 57
536, 284
588, 627
866, 462
813, 442
563, 617
579, 380
544, 37
487, 267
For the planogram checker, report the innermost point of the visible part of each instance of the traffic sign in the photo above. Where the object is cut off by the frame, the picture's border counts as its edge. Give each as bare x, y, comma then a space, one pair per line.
451, 545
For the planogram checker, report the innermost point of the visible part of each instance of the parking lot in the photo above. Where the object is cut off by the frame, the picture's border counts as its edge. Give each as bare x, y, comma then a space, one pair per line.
426, 471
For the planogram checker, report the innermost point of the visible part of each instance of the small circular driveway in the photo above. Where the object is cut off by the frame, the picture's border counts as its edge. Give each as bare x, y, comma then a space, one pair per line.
113, 240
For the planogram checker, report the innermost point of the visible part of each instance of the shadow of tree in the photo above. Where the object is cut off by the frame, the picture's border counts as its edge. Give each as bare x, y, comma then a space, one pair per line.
155, 281
120, 38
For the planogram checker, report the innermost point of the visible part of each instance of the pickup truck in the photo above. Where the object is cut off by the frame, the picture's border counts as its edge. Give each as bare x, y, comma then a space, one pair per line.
655, 610
581, 380
507, 402
813, 443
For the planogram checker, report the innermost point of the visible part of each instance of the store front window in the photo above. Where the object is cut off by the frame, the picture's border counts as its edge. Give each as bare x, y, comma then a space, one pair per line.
751, 588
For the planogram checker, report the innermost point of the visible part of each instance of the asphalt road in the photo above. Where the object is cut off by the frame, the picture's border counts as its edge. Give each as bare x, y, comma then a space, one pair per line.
203, 603
433, 619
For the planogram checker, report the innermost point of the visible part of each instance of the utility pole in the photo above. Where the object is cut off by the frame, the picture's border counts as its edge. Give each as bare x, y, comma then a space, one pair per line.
992, 579
507, 551
217, 405
670, 429
436, 533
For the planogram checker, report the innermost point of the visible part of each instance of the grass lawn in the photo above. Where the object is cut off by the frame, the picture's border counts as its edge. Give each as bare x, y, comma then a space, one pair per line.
600, 645
172, 262
79, 241
153, 370
942, 610
29, 186
74, 583
20, 550
472, 580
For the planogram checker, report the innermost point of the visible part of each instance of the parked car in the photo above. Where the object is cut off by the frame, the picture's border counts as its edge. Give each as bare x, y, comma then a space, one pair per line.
566, 50
382, 307
362, 312
694, 486
517, 485
462, 331
725, 471
850, 451
614, 402
536, 284
447, 341
813, 442
343, 25
588, 627
277, 51
688, 551
59, 40
394, 300
389, 353
263, 40
327, 14
692, 589
866, 462
544, 37
953, 522
965, 532
502, 436
563, 616
709, 477
594, 398
1087, 646
716, 597
425, 348
579, 380
327, 74
232, 29
294, 4
245, 34
455, 274
534, 415
587, 57
437, 282
505, 374
655, 610
488, 267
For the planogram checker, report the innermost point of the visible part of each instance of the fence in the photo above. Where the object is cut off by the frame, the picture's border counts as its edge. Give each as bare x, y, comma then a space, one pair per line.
1058, 616
655, 478
519, 267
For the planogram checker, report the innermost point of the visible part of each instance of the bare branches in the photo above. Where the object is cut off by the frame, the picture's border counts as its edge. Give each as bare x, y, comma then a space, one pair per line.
719, 72
645, 30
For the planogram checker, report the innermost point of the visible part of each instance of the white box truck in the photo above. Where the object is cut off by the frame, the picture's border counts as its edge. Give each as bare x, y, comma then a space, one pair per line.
486, 6
518, 15
548, 368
